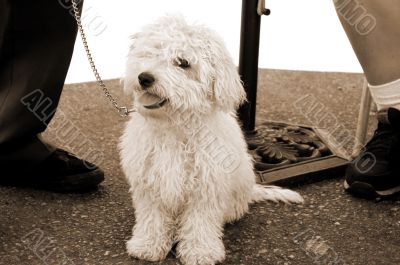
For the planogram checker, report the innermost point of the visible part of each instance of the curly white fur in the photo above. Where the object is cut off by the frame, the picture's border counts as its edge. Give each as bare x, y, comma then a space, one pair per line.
186, 162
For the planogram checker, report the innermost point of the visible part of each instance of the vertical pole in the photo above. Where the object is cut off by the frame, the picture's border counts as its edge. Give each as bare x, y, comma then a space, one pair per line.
363, 117
248, 61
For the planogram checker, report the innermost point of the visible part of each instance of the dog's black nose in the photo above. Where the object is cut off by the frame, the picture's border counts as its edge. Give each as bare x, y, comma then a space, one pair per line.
146, 79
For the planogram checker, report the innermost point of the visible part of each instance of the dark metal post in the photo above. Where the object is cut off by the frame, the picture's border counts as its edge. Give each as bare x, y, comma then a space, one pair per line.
248, 60
272, 169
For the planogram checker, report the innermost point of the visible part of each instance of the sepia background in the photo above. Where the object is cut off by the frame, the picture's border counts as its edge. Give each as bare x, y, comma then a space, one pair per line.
298, 35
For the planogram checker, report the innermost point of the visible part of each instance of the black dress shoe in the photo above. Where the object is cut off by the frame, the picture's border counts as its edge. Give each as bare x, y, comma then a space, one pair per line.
60, 172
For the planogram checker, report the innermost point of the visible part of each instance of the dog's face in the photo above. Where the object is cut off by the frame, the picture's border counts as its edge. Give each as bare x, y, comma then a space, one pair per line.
175, 66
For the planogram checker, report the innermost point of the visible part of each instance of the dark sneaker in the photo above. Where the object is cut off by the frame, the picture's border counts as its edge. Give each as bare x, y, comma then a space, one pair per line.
60, 172
376, 171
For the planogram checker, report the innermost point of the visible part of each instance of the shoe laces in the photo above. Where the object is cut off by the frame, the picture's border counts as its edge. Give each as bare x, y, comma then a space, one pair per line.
384, 141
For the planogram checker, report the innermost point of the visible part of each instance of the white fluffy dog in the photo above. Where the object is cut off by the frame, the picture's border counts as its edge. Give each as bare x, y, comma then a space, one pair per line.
183, 151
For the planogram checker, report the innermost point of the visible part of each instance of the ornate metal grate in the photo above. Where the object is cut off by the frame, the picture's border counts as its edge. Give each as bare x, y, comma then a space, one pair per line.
283, 153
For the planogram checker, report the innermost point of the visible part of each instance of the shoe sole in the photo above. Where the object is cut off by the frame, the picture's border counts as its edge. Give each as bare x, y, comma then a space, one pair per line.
366, 190
71, 184
76, 183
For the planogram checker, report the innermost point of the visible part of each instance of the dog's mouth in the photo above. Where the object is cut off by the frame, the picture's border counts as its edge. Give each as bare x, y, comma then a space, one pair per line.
151, 101
156, 105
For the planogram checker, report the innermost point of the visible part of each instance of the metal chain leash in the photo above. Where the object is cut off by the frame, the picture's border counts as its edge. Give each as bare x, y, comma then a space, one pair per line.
123, 111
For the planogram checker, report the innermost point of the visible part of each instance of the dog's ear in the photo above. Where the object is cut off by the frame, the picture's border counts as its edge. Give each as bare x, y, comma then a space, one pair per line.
228, 88
128, 81
126, 87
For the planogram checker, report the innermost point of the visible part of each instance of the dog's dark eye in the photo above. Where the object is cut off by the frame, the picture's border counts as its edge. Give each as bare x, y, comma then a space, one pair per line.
182, 63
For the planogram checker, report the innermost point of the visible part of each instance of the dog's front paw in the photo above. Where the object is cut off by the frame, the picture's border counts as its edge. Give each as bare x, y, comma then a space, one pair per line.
146, 249
191, 253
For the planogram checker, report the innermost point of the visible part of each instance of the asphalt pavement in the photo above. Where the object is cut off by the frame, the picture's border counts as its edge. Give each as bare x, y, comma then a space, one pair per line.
39, 227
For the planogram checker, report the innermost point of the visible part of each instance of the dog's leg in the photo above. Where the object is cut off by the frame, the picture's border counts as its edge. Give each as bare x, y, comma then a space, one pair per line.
200, 235
240, 192
239, 205
152, 234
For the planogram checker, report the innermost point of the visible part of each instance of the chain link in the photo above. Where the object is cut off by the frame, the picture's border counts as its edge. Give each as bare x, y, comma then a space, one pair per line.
123, 111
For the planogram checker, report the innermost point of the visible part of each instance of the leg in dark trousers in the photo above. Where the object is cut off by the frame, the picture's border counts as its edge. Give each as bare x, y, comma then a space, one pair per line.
36, 44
